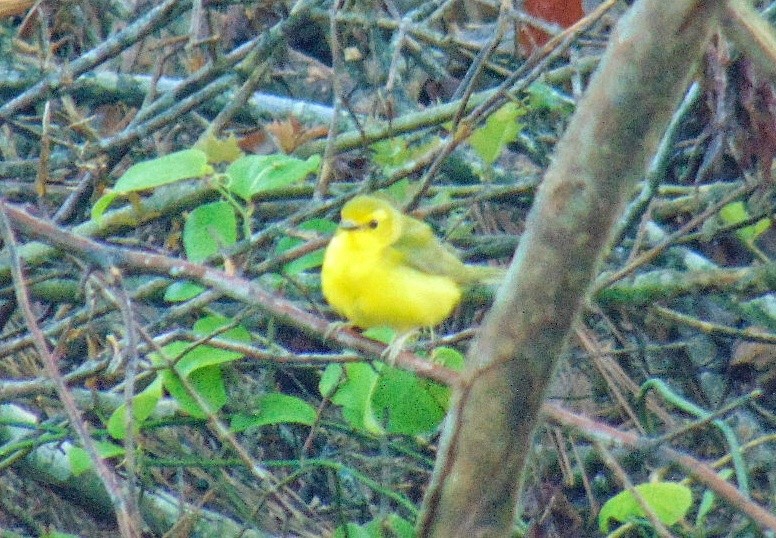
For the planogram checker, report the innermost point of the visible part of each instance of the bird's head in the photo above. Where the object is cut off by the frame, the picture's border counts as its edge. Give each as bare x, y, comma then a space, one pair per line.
370, 221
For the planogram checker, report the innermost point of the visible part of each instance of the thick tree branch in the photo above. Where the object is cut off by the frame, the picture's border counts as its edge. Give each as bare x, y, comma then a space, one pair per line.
605, 150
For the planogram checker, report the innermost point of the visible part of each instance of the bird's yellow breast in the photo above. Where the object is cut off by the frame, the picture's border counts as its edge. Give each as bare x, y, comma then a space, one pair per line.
370, 284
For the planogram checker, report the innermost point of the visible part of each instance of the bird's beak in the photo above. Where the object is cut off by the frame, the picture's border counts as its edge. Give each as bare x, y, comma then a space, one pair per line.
348, 225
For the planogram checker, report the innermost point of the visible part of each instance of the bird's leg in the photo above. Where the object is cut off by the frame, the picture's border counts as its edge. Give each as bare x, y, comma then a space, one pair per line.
431, 334
396, 346
335, 326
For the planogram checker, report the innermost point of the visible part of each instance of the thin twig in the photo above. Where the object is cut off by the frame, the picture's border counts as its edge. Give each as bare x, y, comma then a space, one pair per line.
338, 72
126, 514
106, 50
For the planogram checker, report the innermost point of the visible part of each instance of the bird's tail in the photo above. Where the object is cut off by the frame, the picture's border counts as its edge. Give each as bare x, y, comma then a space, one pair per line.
484, 274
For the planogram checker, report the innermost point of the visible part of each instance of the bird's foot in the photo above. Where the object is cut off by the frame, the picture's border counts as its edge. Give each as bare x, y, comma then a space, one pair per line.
396, 346
335, 326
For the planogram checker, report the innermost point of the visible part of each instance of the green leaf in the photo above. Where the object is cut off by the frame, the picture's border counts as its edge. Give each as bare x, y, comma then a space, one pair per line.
391, 526
500, 129
736, 212
180, 291
403, 403
210, 324
308, 261
253, 174
390, 399
381, 334
542, 96
304, 263
143, 405
207, 382
186, 164
102, 204
220, 150
393, 153
402, 191
330, 379
276, 409
203, 355
208, 229
448, 357
388, 526
669, 500
201, 365
390, 152
354, 395
80, 461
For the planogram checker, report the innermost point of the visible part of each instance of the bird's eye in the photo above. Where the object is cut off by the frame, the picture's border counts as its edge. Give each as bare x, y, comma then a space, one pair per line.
373, 223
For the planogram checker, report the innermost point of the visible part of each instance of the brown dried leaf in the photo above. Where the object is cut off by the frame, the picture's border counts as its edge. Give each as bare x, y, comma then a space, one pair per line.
289, 134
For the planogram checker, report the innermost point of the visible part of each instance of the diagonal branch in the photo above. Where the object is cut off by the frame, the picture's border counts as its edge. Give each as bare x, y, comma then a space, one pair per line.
616, 129
125, 506
133, 262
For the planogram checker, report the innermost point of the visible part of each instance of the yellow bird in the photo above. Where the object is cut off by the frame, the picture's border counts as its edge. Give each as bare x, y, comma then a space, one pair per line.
385, 269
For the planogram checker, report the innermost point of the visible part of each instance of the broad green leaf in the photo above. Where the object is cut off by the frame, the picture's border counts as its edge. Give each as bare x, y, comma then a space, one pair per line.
500, 129
201, 356
381, 334
322, 226
180, 291
403, 403
448, 357
330, 379
393, 398
276, 409
304, 263
390, 152
80, 461
209, 324
253, 174
208, 229
143, 405
402, 190
308, 261
354, 395
389, 526
669, 500
200, 365
751, 233
185, 164
208, 384
734, 212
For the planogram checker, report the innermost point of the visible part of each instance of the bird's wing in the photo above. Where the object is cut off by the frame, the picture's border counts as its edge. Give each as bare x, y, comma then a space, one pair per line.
420, 249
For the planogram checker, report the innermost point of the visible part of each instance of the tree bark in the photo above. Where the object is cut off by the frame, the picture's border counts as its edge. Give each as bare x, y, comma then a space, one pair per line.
618, 124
